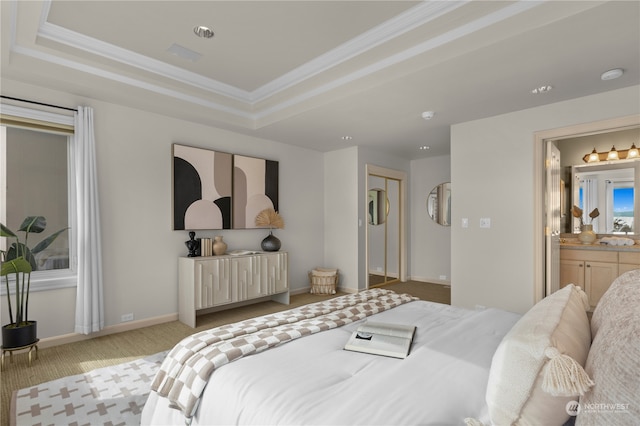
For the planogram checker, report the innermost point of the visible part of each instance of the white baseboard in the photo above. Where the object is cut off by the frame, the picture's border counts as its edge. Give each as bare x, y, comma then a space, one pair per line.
431, 280
48, 342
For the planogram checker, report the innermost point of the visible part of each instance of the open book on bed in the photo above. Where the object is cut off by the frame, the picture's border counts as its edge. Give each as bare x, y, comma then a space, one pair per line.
385, 339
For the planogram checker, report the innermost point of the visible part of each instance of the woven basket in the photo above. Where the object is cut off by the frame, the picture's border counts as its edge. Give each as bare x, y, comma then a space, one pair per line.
323, 281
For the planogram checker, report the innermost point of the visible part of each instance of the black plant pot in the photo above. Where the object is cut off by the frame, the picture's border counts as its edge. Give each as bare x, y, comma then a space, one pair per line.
271, 243
17, 337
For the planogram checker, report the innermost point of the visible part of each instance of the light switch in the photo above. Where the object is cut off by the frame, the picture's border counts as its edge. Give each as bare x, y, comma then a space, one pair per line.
485, 222
465, 222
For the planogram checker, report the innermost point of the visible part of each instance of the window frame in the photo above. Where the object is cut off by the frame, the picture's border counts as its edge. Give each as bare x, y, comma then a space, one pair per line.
619, 184
15, 116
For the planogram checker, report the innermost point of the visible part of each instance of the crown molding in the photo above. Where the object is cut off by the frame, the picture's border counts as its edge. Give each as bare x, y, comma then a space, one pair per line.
400, 24
410, 19
396, 26
109, 51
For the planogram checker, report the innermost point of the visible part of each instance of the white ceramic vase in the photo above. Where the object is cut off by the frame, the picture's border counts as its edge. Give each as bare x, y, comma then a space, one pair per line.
219, 246
587, 236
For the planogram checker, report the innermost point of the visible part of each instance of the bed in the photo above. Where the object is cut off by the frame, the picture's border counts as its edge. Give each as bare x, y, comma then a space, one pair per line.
474, 367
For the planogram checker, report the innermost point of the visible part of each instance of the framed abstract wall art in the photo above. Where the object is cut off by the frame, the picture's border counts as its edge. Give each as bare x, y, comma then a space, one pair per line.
202, 188
255, 188
218, 190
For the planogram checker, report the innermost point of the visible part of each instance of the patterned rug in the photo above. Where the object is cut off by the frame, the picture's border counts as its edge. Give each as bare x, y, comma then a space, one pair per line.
107, 396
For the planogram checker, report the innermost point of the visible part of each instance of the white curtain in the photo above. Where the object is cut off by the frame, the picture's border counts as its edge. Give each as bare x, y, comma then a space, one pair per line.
590, 201
89, 300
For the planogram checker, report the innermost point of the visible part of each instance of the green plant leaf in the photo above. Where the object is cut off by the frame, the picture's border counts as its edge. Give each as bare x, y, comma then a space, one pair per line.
20, 250
6, 232
34, 224
15, 266
46, 242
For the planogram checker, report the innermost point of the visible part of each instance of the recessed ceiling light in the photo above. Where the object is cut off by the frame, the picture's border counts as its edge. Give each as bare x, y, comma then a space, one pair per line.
428, 115
202, 31
424, 147
612, 74
347, 138
542, 89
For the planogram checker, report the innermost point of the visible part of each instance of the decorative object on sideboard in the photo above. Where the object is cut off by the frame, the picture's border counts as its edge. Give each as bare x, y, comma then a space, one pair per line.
272, 219
19, 260
219, 246
586, 236
192, 245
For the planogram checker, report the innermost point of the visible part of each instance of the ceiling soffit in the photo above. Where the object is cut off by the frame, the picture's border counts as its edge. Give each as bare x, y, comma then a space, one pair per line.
294, 88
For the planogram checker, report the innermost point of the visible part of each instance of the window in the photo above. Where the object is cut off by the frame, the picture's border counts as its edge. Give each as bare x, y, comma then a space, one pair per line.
623, 211
37, 180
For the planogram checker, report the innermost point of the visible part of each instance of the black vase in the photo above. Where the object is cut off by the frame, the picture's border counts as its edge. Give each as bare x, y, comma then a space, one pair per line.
17, 337
271, 243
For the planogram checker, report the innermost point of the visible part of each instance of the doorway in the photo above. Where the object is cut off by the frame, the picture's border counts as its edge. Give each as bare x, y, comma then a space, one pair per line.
545, 255
385, 226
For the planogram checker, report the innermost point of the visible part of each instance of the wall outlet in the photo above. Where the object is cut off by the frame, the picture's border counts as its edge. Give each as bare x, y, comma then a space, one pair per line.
126, 317
443, 277
480, 307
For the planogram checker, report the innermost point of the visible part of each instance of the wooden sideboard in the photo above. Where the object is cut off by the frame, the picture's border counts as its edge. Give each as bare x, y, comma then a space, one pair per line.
206, 283
594, 270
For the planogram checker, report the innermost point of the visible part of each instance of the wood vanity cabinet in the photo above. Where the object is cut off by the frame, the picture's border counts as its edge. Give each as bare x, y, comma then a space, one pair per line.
593, 270
628, 260
207, 283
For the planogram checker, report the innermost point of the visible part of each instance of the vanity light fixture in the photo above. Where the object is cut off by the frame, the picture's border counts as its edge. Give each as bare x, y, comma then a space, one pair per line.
613, 155
424, 147
347, 138
593, 157
202, 31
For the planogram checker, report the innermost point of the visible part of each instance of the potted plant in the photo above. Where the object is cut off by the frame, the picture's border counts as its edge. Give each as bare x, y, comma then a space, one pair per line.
19, 260
272, 219
586, 236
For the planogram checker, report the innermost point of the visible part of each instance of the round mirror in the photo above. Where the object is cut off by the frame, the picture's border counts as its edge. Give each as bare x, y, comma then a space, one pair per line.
439, 204
378, 206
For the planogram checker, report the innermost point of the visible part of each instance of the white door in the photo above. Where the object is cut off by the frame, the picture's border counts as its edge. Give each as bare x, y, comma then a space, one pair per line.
553, 211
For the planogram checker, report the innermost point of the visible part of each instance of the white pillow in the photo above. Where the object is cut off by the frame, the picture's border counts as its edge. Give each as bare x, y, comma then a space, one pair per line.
614, 358
558, 324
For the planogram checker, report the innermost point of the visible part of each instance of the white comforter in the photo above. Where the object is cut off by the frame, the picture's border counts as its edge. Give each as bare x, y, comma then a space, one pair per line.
312, 380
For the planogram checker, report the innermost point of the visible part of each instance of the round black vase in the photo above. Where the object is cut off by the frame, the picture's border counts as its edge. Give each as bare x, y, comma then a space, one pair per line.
271, 243
17, 337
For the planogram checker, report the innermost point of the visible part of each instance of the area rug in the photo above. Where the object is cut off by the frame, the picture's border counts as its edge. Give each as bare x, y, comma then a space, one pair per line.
107, 396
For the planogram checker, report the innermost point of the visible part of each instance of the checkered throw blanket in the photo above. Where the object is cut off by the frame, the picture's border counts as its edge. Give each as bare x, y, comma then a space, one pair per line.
185, 371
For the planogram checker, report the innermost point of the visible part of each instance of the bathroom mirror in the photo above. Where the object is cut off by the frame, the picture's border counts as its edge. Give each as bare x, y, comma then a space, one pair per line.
439, 204
610, 188
378, 206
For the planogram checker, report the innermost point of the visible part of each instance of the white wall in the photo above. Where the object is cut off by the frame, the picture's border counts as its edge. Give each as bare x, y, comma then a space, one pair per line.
430, 242
341, 215
140, 249
492, 176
